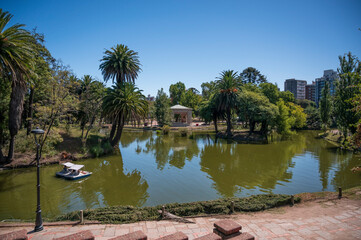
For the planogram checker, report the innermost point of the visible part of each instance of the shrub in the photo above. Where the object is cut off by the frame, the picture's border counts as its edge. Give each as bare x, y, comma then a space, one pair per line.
183, 132
165, 129
126, 214
96, 150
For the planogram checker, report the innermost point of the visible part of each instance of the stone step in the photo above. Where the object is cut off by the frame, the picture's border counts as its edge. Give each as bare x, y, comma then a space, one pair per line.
137, 235
227, 227
83, 235
234, 236
18, 235
211, 236
174, 236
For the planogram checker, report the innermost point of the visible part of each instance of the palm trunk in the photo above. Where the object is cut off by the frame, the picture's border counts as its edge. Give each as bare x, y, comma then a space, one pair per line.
229, 124
119, 131
15, 111
30, 111
112, 131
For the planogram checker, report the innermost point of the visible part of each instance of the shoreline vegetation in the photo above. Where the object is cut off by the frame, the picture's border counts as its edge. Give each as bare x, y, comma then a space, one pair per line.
222, 206
68, 147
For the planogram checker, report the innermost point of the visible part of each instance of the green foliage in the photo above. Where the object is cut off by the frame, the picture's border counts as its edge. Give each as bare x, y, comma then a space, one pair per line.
346, 90
256, 108
270, 91
192, 100
123, 102
325, 105
25, 143
183, 132
313, 118
287, 96
282, 120
253, 76
176, 91
305, 103
127, 214
162, 108
120, 64
227, 96
165, 129
208, 88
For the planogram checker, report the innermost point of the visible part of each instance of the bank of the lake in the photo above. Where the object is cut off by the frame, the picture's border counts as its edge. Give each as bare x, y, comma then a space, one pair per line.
153, 169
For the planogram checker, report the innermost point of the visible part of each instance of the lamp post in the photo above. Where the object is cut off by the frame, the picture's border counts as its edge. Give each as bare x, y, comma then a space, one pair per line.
39, 220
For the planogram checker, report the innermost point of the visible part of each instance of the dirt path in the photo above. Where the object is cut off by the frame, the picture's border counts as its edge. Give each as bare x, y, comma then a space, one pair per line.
322, 219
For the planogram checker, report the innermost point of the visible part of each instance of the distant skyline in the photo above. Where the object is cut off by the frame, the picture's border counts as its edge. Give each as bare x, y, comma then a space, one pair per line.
193, 41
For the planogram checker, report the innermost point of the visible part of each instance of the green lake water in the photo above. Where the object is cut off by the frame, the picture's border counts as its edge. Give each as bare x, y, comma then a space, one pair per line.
152, 170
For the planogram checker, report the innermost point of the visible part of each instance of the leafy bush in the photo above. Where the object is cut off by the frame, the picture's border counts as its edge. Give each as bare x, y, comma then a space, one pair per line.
26, 143
126, 214
183, 132
165, 129
96, 150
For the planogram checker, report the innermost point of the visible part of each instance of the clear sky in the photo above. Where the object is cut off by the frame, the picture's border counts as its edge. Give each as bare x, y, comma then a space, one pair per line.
193, 41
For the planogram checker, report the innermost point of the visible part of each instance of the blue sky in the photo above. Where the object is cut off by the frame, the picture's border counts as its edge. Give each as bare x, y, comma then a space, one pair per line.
193, 41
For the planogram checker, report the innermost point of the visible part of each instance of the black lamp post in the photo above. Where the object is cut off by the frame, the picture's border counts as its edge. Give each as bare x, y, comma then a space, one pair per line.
39, 220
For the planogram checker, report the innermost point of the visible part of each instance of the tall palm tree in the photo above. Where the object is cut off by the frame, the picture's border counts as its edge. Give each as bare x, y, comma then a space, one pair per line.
120, 64
123, 102
15, 65
226, 98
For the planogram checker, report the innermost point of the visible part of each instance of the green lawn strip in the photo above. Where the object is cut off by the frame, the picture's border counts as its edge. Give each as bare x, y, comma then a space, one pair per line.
128, 214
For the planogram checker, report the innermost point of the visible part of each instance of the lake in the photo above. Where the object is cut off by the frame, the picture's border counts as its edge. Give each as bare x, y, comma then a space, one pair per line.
152, 170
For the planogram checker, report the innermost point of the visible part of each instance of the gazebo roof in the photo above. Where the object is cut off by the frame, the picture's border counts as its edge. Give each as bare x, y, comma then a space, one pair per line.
180, 107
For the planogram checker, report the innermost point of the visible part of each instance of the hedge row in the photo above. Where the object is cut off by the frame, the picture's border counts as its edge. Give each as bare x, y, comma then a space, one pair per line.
128, 214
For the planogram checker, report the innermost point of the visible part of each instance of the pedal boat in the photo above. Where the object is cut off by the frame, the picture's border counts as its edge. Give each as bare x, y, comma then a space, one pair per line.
76, 173
65, 170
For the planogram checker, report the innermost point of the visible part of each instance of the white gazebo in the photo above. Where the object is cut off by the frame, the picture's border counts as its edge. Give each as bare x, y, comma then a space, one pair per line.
181, 115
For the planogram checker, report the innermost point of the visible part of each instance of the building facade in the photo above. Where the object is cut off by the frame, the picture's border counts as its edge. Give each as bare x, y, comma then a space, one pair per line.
297, 87
311, 92
329, 76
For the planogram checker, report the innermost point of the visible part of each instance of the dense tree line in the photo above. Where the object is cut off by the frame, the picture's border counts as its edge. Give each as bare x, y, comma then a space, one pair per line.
46, 93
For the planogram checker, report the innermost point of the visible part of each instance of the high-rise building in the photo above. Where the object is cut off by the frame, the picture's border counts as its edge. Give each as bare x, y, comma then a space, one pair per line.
297, 87
329, 76
311, 92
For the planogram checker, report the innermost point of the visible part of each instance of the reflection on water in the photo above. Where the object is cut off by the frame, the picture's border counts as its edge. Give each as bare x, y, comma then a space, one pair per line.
152, 169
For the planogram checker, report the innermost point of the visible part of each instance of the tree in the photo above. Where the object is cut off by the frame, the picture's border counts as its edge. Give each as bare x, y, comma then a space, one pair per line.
256, 108
123, 102
40, 77
252, 75
208, 88
176, 91
228, 86
120, 64
162, 108
346, 90
287, 96
325, 105
16, 52
91, 94
270, 91
192, 100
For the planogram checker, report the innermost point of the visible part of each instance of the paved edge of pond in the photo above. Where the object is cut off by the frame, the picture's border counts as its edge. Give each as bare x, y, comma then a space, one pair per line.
316, 219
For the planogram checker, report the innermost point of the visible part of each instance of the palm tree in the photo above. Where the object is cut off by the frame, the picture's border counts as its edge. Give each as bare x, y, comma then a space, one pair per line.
123, 102
226, 99
120, 64
15, 65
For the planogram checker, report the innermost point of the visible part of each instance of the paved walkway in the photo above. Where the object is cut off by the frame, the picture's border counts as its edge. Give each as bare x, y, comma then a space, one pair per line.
338, 219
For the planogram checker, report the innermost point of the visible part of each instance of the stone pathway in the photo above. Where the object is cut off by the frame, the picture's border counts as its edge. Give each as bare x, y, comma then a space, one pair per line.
338, 219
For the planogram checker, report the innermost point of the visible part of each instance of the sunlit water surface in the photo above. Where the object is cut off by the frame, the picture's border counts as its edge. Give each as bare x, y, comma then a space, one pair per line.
152, 170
